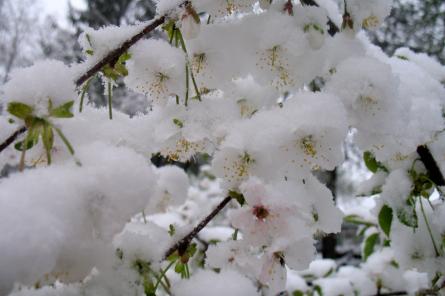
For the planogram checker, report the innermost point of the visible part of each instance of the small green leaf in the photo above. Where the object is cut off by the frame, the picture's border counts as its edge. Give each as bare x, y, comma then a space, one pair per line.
328, 273
370, 161
180, 268
171, 229
20, 110
124, 57
178, 123
238, 196
110, 73
319, 290
372, 164
89, 52
19, 145
297, 293
63, 111
32, 138
407, 217
370, 243
191, 250
394, 263
121, 69
173, 257
354, 219
385, 219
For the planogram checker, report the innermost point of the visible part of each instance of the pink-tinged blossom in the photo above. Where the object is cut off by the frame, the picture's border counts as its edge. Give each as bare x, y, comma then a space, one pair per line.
267, 215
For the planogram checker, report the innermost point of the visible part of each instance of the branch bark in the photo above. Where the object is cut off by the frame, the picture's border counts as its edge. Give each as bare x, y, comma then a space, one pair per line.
181, 246
114, 55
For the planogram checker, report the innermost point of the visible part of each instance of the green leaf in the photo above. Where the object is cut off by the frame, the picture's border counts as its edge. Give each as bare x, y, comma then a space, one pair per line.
32, 138
370, 243
63, 111
238, 196
370, 161
124, 57
407, 216
110, 72
191, 250
297, 293
19, 145
319, 290
20, 110
372, 164
178, 123
89, 52
385, 219
173, 257
354, 219
180, 268
171, 230
121, 69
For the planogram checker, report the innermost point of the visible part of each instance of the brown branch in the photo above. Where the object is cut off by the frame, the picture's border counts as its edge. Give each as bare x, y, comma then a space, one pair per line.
11, 139
181, 245
430, 164
114, 55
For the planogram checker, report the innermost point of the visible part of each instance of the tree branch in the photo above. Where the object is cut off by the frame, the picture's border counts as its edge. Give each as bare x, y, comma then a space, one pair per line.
181, 246
11, 139
114, 55
430, 164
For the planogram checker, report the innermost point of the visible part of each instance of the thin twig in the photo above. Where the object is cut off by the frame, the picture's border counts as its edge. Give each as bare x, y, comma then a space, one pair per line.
114, 55
11, 139
181, 245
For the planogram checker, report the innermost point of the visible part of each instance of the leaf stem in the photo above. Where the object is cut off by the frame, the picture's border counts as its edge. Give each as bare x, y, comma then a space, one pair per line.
162, 275
110, 95
436, 250
84, 91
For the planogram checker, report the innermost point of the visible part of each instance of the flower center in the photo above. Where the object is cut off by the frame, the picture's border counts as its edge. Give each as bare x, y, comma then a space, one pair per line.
260, 212
307, 144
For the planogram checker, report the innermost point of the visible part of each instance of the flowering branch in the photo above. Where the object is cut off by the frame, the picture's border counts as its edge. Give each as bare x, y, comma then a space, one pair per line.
109, 59
181, 245
114, 55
